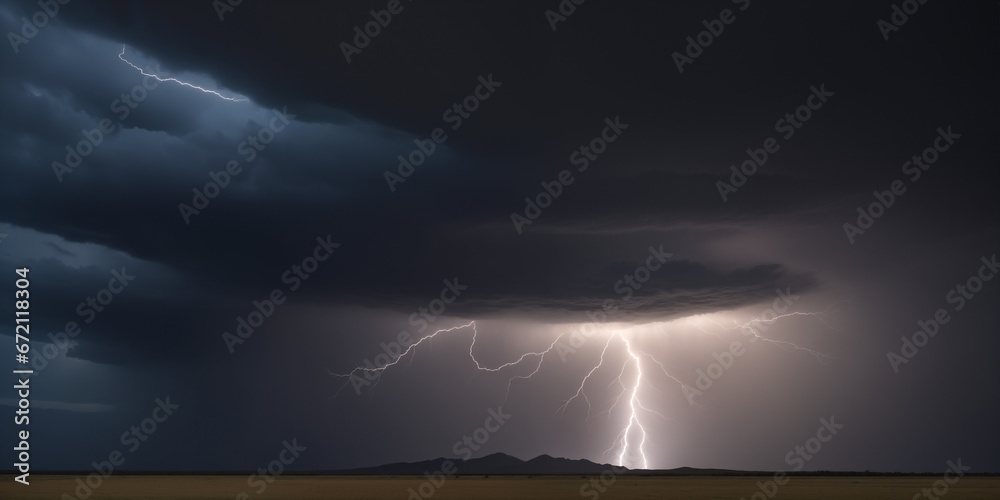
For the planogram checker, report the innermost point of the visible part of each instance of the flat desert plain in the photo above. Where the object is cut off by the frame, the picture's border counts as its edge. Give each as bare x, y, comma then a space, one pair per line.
290, 487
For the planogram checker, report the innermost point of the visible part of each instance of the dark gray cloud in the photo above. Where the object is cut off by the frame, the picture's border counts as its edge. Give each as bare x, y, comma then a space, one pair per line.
655, 186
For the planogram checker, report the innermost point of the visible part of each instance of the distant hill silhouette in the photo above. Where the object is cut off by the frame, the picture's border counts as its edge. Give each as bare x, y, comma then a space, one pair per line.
501, 463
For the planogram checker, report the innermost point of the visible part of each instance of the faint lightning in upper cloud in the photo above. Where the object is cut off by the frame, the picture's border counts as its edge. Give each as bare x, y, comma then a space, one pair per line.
753, 326
233, 99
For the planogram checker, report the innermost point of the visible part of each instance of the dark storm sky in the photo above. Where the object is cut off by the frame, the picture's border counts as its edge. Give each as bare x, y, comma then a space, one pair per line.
656, 185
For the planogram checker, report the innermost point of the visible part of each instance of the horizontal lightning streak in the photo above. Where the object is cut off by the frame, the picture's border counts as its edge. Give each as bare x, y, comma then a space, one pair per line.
749, 326
122, 57
392, 362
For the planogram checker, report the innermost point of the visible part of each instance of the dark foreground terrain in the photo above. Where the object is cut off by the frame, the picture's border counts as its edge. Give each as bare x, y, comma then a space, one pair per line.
494, 487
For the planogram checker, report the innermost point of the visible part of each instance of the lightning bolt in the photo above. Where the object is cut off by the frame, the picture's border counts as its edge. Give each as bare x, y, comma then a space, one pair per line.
378, 370
633, 428
686, 389
633, 404
634, 401
122, 57
751, 327
579, 390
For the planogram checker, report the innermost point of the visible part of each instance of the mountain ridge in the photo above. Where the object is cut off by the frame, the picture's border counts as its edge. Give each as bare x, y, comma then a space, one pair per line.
503, 464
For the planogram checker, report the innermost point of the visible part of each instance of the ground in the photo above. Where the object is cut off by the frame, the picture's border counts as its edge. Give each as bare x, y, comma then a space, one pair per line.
494, 487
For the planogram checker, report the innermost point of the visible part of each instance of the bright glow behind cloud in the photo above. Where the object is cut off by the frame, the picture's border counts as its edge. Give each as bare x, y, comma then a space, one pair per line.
628, 390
